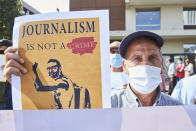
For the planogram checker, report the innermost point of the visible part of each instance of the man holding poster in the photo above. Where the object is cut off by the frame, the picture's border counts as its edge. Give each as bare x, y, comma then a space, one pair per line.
142, 62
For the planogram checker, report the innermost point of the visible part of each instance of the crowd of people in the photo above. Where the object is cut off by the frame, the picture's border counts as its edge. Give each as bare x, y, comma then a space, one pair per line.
179, 71
136, 65
182, 81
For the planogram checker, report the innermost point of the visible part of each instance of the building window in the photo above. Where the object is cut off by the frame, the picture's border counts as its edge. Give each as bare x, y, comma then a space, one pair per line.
189, 18
148, 19
189, 48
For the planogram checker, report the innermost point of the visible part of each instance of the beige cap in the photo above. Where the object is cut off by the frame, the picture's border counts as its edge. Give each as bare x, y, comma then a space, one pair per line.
115, 44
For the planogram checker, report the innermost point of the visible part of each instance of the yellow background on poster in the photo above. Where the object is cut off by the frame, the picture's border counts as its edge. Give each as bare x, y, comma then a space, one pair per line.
82, 69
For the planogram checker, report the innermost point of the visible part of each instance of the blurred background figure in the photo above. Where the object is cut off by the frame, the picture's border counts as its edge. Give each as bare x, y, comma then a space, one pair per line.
180, 69
118, 76
189, 70
4, 44
5, 87
162, 85
172, 75
185, 90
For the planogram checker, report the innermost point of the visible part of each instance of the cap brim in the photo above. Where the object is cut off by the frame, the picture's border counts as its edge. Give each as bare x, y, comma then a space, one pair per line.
128, 39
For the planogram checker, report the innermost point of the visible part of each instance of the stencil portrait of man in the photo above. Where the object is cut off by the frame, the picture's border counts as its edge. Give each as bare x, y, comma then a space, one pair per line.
67, 94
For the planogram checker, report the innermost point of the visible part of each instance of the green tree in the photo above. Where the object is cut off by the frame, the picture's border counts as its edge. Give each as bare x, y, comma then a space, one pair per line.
9, 9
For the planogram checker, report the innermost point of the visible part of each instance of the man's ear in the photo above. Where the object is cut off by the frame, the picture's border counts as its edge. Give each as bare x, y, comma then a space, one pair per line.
161, 57
124, 64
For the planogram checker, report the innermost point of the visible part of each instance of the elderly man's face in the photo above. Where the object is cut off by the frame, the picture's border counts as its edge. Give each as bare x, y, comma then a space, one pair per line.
142, 52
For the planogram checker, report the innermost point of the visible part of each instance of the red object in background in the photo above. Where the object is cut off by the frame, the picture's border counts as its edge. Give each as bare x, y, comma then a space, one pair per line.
82, 45
182, 73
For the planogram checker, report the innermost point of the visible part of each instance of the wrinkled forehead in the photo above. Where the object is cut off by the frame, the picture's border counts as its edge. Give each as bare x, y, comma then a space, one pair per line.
51, 64
142, 46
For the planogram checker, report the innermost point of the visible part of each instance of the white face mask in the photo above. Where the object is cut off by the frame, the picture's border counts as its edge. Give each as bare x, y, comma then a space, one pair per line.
144, 79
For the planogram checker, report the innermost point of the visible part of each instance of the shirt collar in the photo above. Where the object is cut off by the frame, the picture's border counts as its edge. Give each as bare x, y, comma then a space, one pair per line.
133, 99
158, 98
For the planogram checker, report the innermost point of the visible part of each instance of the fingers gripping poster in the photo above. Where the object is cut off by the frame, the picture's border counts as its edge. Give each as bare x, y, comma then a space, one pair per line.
66, 55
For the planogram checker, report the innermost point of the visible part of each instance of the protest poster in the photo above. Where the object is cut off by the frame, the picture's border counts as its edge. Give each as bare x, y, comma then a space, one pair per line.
67, 58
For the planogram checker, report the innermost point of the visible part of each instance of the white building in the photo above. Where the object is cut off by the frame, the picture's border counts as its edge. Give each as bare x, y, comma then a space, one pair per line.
28, 9
45, 6
174, 20
168, 18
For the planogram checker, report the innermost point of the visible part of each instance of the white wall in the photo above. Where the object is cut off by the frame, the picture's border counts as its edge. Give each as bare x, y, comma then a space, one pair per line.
172, 28
176, 45
44, 6
173, 46
130, 20
171, 17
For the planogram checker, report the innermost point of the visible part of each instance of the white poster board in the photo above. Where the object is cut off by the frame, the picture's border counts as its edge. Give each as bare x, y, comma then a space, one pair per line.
167, 118
37, 46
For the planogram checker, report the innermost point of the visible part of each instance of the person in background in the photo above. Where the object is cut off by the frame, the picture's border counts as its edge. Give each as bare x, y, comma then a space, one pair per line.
172, 75
180, 70
4, 44
5, 88
189, 70
194, 64
162, 85
142, 62
185, 90
117, 75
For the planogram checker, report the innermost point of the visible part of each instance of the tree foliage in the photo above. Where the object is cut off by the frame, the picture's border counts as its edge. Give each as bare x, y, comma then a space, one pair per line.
9, 9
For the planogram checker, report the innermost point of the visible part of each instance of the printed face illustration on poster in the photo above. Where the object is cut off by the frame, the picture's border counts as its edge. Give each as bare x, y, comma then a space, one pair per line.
63, 58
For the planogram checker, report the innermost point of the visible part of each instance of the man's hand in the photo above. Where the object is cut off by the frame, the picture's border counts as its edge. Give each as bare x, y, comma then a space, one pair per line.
14, 64
34, 67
